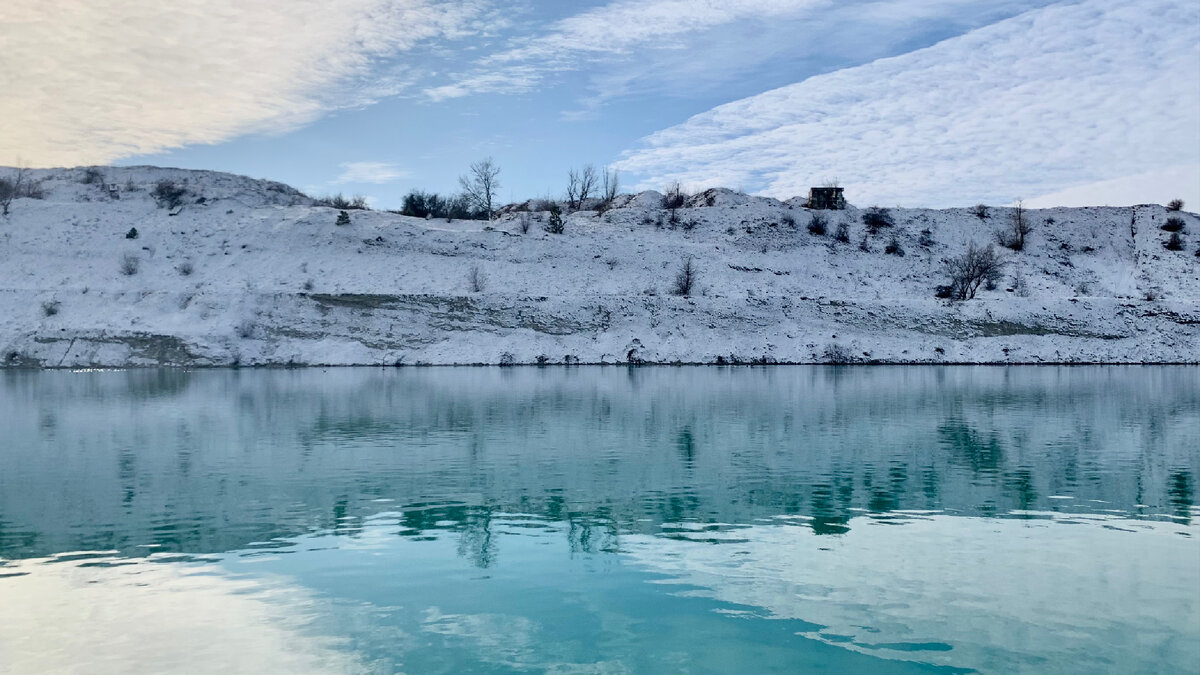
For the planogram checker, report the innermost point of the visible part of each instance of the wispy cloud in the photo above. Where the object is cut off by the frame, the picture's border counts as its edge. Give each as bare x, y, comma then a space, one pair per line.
1069, 94
369, 172
93, 81
616, 29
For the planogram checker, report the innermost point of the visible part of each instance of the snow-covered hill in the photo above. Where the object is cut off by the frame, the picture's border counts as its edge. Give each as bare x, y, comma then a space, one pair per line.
250, 272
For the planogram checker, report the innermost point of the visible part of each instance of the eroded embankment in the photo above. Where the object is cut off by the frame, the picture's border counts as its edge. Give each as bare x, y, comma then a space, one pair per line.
219, 329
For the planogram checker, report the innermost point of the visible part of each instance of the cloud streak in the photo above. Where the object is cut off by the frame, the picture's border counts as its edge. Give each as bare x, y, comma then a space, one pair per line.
613, 30
1066, 95
369, 172
89, 81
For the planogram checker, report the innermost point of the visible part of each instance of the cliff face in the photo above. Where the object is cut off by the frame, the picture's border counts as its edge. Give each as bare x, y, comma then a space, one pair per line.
253, 273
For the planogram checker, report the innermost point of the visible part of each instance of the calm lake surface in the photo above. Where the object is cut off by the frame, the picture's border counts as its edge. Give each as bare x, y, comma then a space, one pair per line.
609, 520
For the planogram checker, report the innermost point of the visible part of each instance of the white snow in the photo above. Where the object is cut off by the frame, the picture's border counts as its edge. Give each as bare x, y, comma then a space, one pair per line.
274, 281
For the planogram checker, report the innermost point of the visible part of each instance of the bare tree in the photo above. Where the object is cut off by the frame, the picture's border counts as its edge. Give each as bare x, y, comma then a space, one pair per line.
685, 281
10, 189
580, 185
480, 185
969, 271
1019, 225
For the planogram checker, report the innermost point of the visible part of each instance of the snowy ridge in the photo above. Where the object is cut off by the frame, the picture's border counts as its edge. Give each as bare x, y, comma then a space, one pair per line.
251, 272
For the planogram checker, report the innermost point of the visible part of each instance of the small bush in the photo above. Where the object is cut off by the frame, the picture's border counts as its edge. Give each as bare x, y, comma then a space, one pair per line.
92, 175
51, 307
245, 329
1173, 224
507, 360
132, 233
926, 239
788, 221
343, 218
1175, 205
836, 354
130, 264
1175, 243
685, 281
876, 218
893, 248
168, 194
843, 233
185, 268
476, 281
864, 244
555, 224
817, 225
981, 211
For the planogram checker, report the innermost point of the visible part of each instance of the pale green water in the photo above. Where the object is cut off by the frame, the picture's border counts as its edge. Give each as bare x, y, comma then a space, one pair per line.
601, 520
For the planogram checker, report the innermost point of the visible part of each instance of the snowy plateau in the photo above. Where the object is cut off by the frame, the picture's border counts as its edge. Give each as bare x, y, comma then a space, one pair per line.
253, 273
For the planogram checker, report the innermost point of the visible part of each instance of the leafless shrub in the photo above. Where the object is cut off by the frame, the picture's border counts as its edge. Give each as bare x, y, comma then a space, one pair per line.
185, 268
836, 354
92, 175
685, 281
476, 281
245, 329
1018, 226
1175, 205
168, 194
970, 270
843, 233
893, 248
51, 307
817, 225
981, 211
673, 199
1175, 243
611, 183
130, 264
876, 217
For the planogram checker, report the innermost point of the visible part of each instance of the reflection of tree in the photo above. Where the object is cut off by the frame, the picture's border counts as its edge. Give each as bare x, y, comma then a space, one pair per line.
1179, 493
970, 448
887, 498
475, 541
829, 515
593, 532
1020, 483
687, 446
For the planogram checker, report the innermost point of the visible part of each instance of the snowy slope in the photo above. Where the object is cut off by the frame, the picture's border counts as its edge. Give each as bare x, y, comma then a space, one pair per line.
255, 274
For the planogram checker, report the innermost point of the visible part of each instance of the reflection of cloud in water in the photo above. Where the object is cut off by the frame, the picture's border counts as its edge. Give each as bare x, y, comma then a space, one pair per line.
139, 615
1083, 593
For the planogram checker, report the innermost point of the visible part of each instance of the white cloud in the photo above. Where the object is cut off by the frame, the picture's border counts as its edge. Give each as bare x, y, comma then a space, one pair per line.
1065, 95
615, 29
1153, 187
369, 172
89, 81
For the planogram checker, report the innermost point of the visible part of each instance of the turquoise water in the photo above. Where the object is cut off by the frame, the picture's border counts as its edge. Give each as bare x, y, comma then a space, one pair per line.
571, 520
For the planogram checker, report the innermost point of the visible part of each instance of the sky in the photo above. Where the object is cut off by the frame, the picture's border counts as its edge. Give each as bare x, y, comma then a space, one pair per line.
907, 102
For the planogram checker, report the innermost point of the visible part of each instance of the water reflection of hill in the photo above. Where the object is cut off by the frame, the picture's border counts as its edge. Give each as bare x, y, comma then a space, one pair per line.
212, 460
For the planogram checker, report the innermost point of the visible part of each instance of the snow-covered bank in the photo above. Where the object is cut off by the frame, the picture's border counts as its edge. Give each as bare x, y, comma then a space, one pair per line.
250, 272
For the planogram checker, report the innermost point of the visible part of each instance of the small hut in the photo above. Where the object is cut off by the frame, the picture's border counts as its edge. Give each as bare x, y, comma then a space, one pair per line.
826, 198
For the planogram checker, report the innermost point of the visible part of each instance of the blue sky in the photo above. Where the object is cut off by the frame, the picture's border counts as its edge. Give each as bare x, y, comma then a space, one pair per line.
919, 103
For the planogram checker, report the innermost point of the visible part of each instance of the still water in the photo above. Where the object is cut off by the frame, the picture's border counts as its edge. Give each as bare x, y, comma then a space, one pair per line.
601, 520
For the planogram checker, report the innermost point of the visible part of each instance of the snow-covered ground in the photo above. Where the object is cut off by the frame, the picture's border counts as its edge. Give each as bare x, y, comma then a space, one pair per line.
249, 272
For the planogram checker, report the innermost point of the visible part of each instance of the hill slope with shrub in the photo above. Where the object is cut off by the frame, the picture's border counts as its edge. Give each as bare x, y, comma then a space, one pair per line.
143, 266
